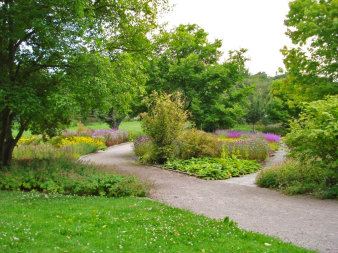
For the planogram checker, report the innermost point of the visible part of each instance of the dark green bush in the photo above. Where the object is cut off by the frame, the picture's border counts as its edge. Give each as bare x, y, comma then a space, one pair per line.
293, 177
67, 177
198, 144
275, 129
214, 168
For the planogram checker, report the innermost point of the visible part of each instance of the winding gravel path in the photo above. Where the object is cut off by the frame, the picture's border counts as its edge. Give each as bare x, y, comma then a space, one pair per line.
304, 221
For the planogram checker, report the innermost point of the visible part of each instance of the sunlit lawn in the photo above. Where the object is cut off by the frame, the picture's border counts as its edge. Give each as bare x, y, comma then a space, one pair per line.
32, 222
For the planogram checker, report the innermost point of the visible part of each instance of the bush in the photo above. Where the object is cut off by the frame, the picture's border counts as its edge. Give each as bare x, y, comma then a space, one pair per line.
314, 136
164, 123
276, 129
67, 177
198, 144
294, 177
145, 150
214, 168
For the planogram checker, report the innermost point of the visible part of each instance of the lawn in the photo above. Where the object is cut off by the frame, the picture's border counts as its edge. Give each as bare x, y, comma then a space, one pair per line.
128, 126
33, 222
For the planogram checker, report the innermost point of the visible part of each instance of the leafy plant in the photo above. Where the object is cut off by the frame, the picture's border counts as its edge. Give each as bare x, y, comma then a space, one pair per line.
295, 177
314, 136
67, 177
164, 123
214, 168
197, 144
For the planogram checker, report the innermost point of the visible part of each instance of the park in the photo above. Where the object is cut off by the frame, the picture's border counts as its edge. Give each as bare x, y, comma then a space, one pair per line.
119, 133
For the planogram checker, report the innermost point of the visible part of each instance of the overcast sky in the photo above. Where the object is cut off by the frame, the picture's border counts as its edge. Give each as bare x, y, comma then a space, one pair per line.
257, 25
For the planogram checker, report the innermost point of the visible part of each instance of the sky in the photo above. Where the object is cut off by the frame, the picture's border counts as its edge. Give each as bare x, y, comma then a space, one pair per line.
257, 25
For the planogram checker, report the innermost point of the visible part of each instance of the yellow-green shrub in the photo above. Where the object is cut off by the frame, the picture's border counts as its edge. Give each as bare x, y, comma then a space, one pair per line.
198, 144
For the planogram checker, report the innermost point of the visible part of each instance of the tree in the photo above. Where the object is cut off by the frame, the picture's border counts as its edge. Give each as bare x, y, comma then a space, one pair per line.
256, 108
185, 61
56, 59
312, 65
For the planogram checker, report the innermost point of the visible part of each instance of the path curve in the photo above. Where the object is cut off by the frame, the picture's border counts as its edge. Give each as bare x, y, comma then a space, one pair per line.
304, 221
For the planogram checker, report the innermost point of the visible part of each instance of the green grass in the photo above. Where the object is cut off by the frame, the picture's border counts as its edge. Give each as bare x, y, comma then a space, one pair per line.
32, 222
131, 126
128, 126
134, 126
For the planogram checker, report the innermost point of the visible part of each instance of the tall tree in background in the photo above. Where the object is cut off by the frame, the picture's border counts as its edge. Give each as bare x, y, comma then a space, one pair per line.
312, 65
56, 58
185, 61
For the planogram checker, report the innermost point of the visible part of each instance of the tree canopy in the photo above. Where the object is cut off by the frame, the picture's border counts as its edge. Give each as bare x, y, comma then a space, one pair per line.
58, 57
312, 64
185, 61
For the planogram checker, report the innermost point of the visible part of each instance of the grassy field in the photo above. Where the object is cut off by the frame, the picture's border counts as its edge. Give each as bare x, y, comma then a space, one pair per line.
128, 126
33, 222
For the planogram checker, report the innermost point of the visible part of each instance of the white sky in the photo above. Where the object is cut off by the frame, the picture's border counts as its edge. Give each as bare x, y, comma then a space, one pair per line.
257, 25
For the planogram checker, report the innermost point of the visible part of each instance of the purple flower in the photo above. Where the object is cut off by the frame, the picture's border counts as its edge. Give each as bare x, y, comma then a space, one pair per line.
141, 140
270, 137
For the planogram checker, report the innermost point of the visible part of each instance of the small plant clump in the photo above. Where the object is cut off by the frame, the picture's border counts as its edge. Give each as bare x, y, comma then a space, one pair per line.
294, 177
214, 168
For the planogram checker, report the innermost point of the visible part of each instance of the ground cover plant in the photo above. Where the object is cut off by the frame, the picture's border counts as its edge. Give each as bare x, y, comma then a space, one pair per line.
67, 177
214, 168
43, 223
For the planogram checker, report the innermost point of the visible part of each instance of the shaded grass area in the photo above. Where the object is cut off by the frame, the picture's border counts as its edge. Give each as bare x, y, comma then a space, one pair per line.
32, 222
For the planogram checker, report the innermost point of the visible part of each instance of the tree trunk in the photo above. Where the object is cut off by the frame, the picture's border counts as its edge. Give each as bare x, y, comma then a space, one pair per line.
112, 119
7, 141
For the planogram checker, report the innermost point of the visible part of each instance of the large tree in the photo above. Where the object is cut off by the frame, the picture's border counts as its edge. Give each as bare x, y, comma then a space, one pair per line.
185, 61
312, 63
56, 58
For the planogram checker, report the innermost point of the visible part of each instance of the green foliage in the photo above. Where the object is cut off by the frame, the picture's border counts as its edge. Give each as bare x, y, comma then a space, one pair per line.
43, 222
164, 123
197, 144
60, 58
314, 136
146, 152
312, 63
253, 148
186, 61
294, 177
214, 168
279, 129
67, 177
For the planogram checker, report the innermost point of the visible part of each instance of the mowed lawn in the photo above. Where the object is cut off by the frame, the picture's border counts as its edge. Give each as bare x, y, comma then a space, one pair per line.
33, 222
128, 126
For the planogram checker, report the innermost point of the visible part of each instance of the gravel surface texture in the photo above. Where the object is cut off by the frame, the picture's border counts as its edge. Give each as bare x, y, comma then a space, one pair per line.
304, 221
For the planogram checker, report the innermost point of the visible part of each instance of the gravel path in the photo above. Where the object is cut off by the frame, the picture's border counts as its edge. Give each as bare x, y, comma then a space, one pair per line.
304, 221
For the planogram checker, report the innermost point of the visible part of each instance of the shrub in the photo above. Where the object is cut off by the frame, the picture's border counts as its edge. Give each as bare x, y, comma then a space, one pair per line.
314, 136
145, 150
214, 168
294, 177
67, 177
198, 144
164, 123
